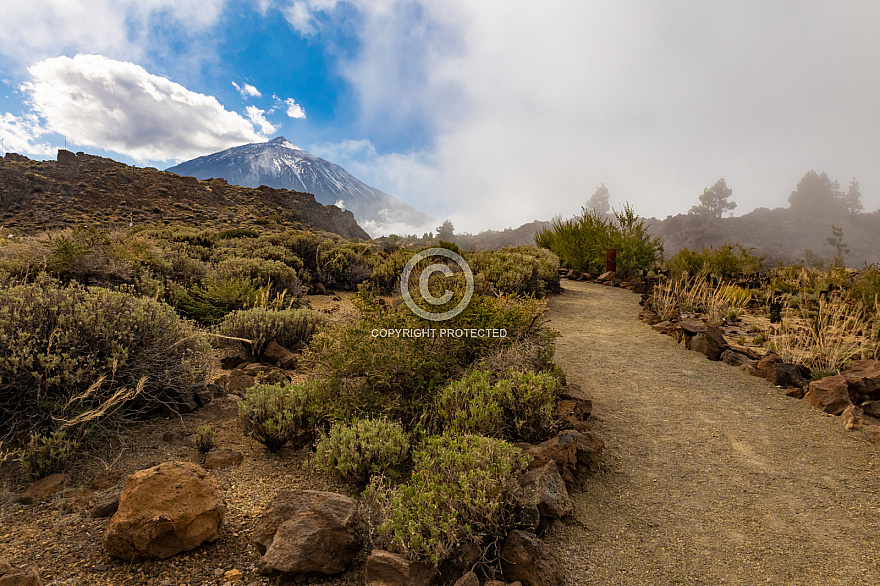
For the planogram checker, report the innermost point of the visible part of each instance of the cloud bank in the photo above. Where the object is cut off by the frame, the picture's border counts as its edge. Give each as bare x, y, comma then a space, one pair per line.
530, 105
119, 106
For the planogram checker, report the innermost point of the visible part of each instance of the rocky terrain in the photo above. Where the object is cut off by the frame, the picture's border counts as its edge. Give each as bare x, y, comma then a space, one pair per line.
37, 196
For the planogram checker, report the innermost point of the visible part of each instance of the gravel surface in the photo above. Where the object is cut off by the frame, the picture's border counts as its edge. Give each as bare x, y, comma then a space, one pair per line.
710, 476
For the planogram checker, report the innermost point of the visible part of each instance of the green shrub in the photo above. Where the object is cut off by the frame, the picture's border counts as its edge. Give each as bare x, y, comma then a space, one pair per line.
205, 439
47, 454
581, 243
386, 274
356, 451
866, 287
274, 414
724, 262
520, 270
369, 374
517, 407
66, 351
459, 492
471, 405
261, 326
269, 274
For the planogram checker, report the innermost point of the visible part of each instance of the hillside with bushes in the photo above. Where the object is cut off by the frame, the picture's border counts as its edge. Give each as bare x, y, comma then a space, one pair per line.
77, 189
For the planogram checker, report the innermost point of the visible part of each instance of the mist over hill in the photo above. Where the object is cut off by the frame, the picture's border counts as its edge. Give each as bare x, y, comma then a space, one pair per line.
790, 235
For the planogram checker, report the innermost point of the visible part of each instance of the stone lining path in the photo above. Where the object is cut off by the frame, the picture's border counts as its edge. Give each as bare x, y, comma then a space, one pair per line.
710, 476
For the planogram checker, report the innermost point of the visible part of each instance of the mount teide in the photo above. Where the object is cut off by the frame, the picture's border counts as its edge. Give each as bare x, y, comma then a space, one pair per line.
281, 164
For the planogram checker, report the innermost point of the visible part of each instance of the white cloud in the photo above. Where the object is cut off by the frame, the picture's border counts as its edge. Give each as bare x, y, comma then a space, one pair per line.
294, 110
247, 90
123, 29
119, 106
257, 118
301, 14
20, 135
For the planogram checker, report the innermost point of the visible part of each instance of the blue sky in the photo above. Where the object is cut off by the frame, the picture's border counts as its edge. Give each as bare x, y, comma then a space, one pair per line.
491, 113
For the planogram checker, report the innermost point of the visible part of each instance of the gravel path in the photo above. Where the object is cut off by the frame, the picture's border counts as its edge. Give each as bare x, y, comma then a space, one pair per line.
710, 476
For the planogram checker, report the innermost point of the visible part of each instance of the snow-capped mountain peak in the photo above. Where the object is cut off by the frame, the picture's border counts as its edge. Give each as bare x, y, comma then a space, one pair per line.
281, 164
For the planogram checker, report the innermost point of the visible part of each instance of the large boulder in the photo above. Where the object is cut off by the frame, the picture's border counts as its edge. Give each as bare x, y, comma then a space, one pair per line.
164, 510
572, 450
863, 377
831, 394
304, 531
384, 568
525, 558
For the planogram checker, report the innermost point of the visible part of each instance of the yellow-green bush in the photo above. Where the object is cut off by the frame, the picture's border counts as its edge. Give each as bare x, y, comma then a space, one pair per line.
275, 414
519, 270
366, 447
261, 326
518, 407
57, 342
459, 492
724, 262
369, 374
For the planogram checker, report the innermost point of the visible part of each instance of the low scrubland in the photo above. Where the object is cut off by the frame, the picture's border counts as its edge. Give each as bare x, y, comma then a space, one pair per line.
99, 327
818, 318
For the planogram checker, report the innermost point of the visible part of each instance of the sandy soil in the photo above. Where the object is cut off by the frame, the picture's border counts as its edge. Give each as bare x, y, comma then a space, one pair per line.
710, 476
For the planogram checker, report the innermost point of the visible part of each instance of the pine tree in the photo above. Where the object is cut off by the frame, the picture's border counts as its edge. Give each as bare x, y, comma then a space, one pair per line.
715, 200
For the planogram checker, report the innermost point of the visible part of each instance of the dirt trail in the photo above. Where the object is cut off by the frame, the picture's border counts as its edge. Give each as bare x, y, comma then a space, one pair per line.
710, 476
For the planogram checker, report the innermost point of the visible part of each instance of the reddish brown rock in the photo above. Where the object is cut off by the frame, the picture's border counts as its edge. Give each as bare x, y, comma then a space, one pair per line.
739, 359
571, 449
279, 356
304, 531
544, 488
582, 405
863, 377
14, 578
469, 579
871, 408
222, 458
709, 342
384, 568
164, 510
664, 327
831, 394
691, 326
527, 559
106, 506
43, 488
767, 366
237, 382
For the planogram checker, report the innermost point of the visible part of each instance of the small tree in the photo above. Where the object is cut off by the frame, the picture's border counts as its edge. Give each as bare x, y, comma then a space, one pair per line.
836, 240
853, 198
715, 200
599, 201
445, 231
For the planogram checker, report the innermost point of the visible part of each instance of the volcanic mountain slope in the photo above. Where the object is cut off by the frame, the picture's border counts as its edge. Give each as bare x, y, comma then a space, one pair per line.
279, 163
44, 195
